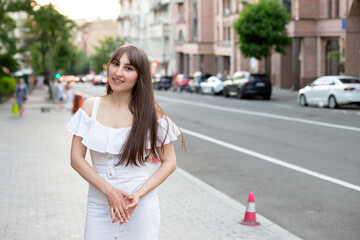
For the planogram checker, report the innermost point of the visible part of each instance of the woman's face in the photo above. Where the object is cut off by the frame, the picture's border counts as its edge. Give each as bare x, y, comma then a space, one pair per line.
122, 76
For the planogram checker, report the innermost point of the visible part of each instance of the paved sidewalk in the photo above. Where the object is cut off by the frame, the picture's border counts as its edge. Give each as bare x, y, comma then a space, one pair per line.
42, 197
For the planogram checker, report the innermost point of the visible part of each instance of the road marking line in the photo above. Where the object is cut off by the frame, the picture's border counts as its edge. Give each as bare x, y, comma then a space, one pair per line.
272, 160
269, 115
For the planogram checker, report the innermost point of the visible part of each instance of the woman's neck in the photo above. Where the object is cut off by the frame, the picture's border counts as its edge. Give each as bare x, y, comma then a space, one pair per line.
120, 99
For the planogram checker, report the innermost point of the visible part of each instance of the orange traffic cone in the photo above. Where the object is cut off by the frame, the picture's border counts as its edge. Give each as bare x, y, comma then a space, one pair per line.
250, 214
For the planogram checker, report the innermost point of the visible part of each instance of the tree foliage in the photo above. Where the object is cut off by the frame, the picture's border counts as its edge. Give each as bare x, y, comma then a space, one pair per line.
49, 31
262, 26
103, 52
8, 41
82, 63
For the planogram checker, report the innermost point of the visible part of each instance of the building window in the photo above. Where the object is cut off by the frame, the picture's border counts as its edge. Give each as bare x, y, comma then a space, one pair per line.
332, 57
181, 38
226, 7
194, 21
337, 9
180, 12
287, 5
330, 8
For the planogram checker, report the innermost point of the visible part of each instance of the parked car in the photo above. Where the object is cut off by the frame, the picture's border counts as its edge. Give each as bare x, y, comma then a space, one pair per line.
198, 77
100, 80
89, 77
212, 85
162, 82
245, 84
181, 82
331, 91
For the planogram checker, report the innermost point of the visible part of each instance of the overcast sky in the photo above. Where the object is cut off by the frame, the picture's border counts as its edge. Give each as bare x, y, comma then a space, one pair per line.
87, 9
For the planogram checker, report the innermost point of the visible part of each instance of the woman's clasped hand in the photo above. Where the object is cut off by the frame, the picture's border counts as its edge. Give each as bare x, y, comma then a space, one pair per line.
122, 205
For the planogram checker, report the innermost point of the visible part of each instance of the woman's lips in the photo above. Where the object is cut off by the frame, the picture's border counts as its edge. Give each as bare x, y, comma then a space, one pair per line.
117, 81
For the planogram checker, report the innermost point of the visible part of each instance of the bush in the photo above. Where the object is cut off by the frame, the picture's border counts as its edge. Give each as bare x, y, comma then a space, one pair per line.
7, 86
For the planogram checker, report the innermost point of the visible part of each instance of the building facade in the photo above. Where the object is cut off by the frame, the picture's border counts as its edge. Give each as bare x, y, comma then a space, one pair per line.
24, 58
92, 32
195, 36
325, 40
149, 24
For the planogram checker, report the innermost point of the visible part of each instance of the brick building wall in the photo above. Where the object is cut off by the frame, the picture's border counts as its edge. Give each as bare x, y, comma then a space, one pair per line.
316, 29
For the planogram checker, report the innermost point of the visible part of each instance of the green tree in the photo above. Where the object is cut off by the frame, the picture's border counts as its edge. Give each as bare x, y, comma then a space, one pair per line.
48, 28
8, 41
261, 27
103, 52
82, 63
64, 56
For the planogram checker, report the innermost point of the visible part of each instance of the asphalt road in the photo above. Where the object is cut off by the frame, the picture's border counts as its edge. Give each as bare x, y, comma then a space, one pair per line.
303, 164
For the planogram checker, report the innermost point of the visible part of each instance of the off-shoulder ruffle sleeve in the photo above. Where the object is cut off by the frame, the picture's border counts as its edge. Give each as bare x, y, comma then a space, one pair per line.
79, 124
103, 139
96, 136
167, 131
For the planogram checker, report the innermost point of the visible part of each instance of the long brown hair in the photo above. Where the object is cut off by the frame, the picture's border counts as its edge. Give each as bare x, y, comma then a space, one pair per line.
143, 107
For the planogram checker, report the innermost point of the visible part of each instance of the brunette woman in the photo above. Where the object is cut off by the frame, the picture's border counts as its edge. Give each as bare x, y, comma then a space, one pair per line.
123, 130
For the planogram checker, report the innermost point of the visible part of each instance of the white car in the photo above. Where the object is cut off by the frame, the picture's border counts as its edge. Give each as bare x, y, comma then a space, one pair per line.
331, 91
212, 85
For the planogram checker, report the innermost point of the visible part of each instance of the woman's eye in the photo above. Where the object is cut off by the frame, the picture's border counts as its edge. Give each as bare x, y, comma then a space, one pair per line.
115, 63
128, 68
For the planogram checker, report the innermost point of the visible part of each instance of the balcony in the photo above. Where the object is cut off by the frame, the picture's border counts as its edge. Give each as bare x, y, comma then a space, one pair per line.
225, 43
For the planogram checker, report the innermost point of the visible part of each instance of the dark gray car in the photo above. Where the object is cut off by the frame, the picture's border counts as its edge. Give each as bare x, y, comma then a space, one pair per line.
244, 85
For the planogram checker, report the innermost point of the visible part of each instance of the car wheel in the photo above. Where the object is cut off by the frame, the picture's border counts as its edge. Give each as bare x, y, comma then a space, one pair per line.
212, 91
225, 93
332, 102
240, 95
266, 97
303, 100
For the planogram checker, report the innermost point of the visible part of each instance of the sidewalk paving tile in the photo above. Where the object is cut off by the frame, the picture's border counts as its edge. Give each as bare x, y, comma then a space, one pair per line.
44, 198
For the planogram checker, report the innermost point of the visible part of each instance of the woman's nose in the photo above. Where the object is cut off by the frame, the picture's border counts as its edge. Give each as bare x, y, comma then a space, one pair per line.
119, 71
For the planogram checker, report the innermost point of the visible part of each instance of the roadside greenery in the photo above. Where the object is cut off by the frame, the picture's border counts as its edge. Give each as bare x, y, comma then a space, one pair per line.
261, 28
104, 52
8, 41
7, 86
49, 35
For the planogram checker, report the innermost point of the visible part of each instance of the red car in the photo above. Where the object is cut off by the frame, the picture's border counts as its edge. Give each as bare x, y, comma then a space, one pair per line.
181, 82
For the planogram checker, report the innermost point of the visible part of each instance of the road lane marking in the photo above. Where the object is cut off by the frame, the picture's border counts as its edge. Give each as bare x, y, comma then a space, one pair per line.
268, 115
272, 160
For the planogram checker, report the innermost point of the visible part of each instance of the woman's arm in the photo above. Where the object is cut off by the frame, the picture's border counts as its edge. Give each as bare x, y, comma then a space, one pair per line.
167, 167
115, 197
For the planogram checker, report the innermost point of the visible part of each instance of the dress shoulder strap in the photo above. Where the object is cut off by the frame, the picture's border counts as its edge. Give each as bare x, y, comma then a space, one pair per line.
95, 107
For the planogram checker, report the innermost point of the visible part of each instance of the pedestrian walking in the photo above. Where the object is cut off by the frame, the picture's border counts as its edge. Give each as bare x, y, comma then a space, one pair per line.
123, 130
21, 94
60, 94
69, 96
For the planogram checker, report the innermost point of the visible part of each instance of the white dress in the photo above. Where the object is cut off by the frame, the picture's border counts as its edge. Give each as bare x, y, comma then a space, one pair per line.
105, 144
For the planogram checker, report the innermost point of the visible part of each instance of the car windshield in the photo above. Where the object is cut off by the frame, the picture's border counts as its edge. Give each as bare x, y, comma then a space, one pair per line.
349, 80
258, 78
